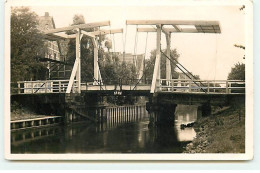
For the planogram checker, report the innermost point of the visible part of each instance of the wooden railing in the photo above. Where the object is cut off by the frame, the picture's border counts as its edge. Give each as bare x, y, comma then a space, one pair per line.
201, 86
48, 86
163, 85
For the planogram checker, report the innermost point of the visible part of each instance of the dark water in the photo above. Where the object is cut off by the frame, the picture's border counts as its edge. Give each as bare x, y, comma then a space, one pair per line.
130, 136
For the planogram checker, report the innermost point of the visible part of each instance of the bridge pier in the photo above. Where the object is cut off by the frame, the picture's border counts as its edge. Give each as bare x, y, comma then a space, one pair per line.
204, 110
161, 113
83, 106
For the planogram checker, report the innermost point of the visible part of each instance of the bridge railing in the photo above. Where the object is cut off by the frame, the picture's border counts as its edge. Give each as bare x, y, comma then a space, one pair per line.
201, 86
118, 84
126, 81
47, 86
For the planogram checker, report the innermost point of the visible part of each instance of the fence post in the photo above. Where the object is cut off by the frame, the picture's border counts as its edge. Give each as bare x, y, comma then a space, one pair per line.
46, 85
32, 86
172, 85
208, 86
160, 84
19, 87
189, 85
226, 87
59, 86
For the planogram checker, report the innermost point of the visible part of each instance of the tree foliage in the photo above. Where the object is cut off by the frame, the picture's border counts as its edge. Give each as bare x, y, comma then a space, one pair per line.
87, 52
237, 72
27, 46
78, 19
110, 66
149, 64
113, 69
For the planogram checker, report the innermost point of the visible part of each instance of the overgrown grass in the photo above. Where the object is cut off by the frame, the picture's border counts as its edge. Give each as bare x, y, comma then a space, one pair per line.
222, 132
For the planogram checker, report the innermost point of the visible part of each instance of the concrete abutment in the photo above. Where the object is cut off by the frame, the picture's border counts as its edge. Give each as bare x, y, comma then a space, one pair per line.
160, 113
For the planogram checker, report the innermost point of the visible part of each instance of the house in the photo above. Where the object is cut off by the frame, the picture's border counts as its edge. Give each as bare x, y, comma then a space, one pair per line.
56, 54
55, 50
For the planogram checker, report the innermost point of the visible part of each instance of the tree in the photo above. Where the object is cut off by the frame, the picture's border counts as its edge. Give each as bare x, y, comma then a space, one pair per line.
237, 72
241, 47
108, 45
78, 19
27, 45
113, 70
87, 52
149, 64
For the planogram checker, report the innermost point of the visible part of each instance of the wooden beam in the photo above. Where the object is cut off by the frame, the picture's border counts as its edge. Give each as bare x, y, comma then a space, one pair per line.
171, 22
167, 30
186, 30
88, 34
146, 30
94, 42
176, 28
96, 68
55, 37
168, 62
82, 26
103, 32
152, 30
64, 35
78, 56
156, 71
72, 76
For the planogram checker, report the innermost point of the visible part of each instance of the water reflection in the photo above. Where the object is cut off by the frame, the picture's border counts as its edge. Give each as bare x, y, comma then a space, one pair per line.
121, 133
185, 114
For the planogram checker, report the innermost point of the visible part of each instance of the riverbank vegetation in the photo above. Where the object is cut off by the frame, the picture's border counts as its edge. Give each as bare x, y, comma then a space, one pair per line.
22, 113
221, 132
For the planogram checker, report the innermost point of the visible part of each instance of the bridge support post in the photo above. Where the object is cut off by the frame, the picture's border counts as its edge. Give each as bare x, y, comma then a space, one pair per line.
168, 63
204, 110
68, 115
97, 74
156, 72
78, 56
158, 50
161, 113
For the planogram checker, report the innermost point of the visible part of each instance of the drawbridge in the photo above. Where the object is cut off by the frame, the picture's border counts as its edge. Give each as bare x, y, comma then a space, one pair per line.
74, 84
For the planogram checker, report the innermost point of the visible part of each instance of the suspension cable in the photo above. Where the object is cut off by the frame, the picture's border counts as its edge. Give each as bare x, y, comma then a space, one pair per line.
177, 63
216, 56
135, 46
144, 63
114, 43
124, 42
111, 53
99, 43
145, 55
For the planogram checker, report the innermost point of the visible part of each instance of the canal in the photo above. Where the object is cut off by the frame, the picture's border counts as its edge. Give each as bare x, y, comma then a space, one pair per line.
118, 134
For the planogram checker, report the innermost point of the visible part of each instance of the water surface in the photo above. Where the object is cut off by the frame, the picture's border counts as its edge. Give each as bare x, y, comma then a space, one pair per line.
131, 136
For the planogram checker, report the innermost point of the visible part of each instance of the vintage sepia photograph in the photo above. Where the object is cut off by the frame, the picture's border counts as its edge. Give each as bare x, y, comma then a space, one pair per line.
129, 82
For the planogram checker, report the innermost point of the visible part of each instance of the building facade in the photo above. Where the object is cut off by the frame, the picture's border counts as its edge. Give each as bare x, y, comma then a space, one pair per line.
53, 52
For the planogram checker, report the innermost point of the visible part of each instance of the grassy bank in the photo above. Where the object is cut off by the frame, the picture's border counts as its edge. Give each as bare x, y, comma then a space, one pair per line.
221, 132
20, 113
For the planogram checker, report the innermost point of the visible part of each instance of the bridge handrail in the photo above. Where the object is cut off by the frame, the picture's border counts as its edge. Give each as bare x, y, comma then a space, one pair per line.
200, 80
211, 86
47, 86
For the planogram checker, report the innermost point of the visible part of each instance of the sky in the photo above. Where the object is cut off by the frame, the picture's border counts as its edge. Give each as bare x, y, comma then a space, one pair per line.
211, 56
